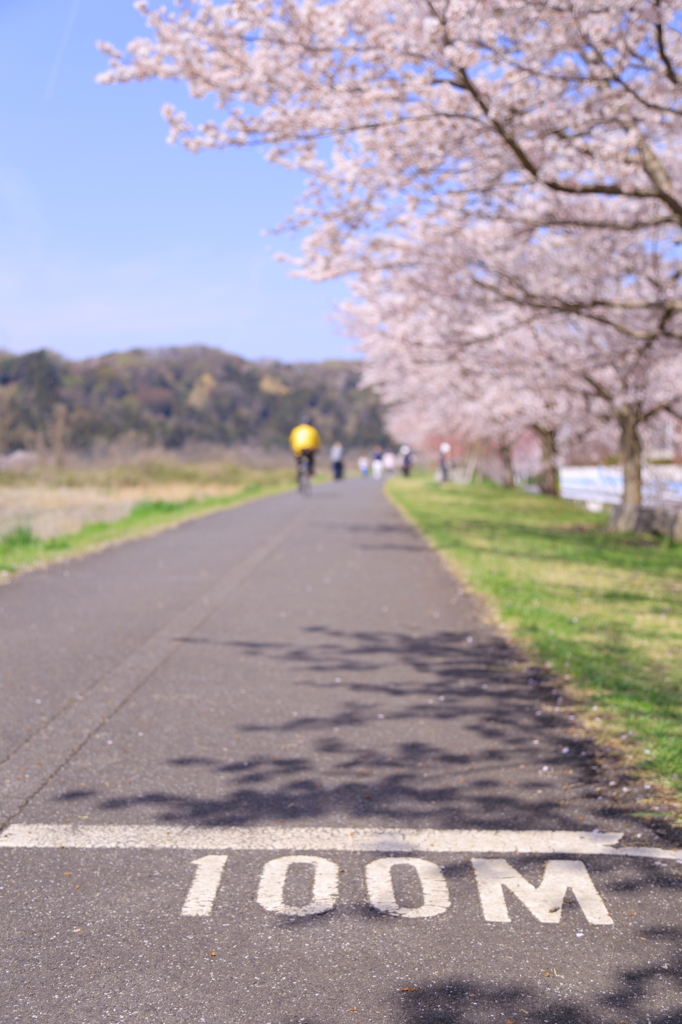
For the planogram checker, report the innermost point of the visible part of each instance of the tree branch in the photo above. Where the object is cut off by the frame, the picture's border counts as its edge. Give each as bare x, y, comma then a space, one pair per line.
660, 42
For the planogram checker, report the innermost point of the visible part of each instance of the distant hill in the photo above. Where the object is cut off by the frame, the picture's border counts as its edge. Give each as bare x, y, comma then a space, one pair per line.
171, 396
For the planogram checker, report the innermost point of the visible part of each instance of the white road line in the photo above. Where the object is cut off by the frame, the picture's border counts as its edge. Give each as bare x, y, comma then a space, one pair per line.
353, 840
205, 885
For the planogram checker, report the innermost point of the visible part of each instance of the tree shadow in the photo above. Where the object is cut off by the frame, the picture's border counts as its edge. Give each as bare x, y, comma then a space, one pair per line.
468, 1001
633, 997
488, 752
499, 753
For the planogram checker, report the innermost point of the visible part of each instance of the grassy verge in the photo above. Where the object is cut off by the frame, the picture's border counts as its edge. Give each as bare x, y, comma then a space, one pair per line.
601, 610
20, 549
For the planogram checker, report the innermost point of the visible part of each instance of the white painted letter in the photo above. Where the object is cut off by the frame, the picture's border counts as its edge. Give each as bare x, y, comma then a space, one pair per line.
544, 902
382, 894
204, 888
325, 886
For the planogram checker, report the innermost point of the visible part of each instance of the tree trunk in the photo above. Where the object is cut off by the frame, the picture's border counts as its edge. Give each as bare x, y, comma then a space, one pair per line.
549, 476
631, 459
507, 468
471, 464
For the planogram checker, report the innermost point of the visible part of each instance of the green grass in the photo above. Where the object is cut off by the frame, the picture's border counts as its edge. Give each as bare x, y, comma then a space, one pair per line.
601, 610
20, 549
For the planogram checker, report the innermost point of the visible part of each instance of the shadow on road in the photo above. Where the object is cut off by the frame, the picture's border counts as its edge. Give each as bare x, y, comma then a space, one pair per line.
499, 755
468, 1001
444, 729
463, 1002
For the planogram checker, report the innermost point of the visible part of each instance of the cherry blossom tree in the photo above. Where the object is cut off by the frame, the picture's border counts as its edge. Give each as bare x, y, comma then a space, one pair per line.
430, 400
615, 362
536, 142
493, 391
485, 99
504, 117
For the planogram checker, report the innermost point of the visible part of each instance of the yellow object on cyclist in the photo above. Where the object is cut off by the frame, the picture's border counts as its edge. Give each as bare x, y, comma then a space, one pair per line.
304, 438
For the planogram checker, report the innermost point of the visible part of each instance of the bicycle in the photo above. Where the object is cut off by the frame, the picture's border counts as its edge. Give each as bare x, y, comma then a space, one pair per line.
304, 471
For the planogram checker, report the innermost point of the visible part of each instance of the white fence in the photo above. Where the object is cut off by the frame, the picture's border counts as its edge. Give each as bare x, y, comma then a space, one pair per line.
661, 485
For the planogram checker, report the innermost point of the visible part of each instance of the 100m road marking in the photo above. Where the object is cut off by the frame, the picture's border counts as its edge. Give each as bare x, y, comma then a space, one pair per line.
495, 878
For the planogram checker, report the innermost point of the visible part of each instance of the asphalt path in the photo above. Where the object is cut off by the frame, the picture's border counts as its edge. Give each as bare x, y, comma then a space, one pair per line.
273, 767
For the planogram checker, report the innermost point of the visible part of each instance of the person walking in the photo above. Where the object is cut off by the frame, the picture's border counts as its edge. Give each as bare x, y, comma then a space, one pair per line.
406, 459
336, 459
388, 462
377, 462
363, 466
444, 462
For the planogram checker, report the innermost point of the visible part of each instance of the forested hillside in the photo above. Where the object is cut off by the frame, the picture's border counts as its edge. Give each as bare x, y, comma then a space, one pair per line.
170, 396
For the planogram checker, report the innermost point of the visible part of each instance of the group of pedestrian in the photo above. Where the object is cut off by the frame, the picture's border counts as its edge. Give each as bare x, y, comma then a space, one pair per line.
384, 461
305, 441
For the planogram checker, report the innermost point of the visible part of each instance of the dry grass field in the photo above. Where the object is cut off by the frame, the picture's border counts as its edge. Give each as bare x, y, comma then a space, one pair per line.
47, 511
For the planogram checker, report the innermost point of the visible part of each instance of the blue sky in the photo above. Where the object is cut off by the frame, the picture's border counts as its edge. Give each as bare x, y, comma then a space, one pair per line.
109, 238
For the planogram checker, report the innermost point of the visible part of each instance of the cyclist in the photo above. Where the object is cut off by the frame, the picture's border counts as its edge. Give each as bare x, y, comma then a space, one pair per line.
304, 441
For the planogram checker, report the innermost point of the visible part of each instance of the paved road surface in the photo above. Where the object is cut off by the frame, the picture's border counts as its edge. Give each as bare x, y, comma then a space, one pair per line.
271, 768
